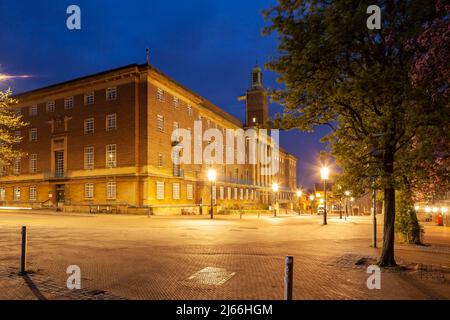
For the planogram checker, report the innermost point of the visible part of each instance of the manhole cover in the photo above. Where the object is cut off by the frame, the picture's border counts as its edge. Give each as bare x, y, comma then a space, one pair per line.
211, 276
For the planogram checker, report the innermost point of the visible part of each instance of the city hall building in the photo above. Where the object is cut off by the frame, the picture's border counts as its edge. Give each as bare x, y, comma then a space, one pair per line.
106, 140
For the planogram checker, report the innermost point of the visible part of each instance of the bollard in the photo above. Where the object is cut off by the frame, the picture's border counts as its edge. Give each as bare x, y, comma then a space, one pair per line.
23, 256
288, 281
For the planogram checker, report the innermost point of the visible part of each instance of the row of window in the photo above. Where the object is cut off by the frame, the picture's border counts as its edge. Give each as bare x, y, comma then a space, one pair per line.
32, 193
111, 124
111, 190
161, 97
176, 191
89, 99
89, 157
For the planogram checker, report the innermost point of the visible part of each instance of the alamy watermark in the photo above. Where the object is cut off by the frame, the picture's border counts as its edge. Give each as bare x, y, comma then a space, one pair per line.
227, 146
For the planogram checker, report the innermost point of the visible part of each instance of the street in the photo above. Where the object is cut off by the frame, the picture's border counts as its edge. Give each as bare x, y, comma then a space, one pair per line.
139, 257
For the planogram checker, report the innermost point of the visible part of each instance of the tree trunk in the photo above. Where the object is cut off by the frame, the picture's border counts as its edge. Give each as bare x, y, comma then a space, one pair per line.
387, 258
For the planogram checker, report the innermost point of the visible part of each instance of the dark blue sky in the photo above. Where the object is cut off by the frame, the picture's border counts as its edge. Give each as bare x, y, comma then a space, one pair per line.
209, 46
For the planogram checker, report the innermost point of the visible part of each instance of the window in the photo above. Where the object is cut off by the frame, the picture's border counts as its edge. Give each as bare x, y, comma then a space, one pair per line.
189, 109
221, 193
33, 163
33, 134
160, 95
33, 193
160, 160
68, 103
190, 191
214, 193
111, 190
2, 194
241, 194
236, 173
33, 111
16, 195
89, 126
18, 112
17, 166
89, 98
229, 193
175, 125
246, 194
111, 156
89, 158
89, 191
160, 123
159, 190
111, 93
176, 102
111, 122
17, 134
175, 191
235, 193
50, 107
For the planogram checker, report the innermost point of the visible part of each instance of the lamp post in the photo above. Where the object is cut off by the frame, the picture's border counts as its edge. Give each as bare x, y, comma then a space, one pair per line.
299, 196
351, 205
275, 191
311, 198
212, 174
325, 172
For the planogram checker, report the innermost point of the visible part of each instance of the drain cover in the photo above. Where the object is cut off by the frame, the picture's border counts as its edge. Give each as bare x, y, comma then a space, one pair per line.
211, 276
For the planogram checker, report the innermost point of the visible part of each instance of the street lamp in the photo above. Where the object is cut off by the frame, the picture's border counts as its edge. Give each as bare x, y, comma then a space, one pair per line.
299, 196
311, 197
275, 189
212, 174
347, 194
325, 172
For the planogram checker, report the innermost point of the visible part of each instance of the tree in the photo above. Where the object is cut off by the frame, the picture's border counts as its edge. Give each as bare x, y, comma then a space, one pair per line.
431, 70
338, 73
9, 122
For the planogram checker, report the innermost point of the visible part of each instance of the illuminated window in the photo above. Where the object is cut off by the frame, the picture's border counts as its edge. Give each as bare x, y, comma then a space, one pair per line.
160, 95
33, 134
160, 123
68, 103
175, 191
33, 193
111, 190
89, 191
17, 166
50, 107
159, 190
33, 163
89, 126
190, 192
111, 93
111, 122
111, 156
176, 102
89, 158
89, 98
16, 195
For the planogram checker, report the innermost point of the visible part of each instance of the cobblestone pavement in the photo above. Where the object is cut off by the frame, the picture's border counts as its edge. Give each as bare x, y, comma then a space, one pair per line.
136, 257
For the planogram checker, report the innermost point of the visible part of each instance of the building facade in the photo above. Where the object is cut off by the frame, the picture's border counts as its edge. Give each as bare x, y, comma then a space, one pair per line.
107, 139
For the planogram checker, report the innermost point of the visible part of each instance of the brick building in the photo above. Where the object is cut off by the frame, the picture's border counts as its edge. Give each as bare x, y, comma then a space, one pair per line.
107, 139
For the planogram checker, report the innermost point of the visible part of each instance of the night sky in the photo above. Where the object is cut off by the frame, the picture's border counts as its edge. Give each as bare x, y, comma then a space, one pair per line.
209, 46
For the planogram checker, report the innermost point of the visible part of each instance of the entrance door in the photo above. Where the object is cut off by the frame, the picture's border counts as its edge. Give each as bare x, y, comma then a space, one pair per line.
60, 194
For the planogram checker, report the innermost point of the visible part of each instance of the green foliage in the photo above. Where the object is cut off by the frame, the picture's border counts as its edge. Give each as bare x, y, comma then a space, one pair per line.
406, 223
9, 122
356, 81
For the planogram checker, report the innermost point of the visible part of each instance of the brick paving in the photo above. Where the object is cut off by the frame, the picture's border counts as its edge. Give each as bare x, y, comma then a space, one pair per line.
135, 257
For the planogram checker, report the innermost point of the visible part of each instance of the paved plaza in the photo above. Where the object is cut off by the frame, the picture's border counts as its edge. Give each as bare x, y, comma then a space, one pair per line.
139, 257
